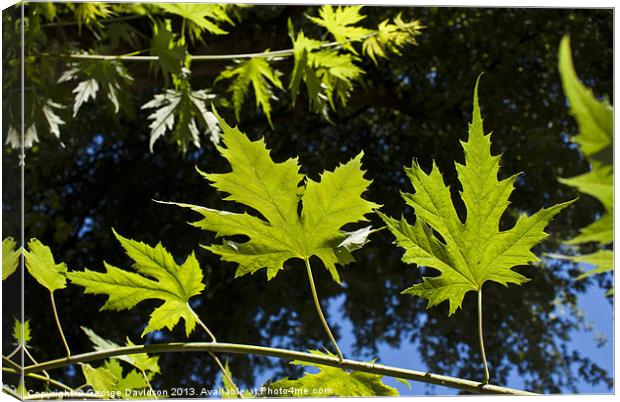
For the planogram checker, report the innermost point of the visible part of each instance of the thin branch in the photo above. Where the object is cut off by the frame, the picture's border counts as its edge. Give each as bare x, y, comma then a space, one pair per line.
203, 325
317, 304
196, 57
62, 334
107, 21
14, 351
406, 374
11, 363
31, 357
146, 378
226, 374
480, 336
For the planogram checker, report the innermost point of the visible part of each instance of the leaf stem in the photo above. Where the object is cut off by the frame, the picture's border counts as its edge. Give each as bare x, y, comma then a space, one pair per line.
203, 325
31, 357
14, 351
62, 334
317, 304
332, 361
146, 378
225, 373
480, 336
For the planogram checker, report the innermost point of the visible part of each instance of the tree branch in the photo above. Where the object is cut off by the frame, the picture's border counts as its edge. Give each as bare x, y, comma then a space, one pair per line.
196, 57
429, 378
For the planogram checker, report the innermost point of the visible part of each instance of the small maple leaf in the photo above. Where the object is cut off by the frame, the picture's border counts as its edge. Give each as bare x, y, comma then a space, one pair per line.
256, 73
174, 284
10, 257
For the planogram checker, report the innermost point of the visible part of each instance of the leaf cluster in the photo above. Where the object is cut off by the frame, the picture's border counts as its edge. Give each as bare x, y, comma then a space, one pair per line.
329, 70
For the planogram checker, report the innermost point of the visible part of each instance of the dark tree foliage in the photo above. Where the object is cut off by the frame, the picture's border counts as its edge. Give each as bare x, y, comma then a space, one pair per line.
416, 105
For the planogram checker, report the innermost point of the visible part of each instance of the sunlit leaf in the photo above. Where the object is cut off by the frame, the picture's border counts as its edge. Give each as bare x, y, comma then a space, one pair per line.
10, 257
257, 74
21, 333
201, 17
391, 38
100, 379
328, 74
158, 277
125, 385
467, 254
272, 190
598, 183
109, 75
41, 119
41, 265
595, 139
171, 55
594, 117
141, 361
88, 13
341, 23
184, 114
332, 381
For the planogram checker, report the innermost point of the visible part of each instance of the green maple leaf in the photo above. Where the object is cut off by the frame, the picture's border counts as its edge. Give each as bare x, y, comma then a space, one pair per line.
109, 381
10, 257
158, 277
41, 265
90, 13
256, 73
598, 183
21, 333
340, 22
595, 118
184, 114
333, 381
100, 379
272, 189
124, 384
302, 69
109, 75
328, 74
391, 38
475, 251
141, 361
170, 54
41, 118
602, 260
201, 17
